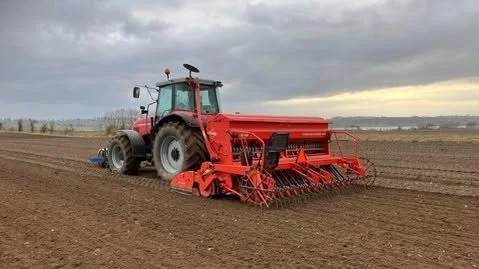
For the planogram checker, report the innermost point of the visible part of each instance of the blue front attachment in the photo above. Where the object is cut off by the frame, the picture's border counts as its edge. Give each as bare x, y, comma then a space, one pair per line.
101, 159
98, 160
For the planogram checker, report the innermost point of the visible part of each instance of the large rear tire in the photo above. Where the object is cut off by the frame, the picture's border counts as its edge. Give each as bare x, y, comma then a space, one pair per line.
177, 148
120, 156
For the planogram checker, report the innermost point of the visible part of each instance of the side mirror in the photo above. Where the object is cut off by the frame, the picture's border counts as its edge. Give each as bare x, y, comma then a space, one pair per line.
136, 92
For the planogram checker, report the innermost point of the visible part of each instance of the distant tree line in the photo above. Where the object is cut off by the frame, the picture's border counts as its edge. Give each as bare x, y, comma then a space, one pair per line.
123, 119
119, 119
30, 125
109, 122
420, 122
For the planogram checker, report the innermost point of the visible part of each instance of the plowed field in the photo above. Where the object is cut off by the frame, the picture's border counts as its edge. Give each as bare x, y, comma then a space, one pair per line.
57, 210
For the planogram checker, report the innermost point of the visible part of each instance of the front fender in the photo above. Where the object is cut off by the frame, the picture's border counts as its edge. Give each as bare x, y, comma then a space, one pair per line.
137, 142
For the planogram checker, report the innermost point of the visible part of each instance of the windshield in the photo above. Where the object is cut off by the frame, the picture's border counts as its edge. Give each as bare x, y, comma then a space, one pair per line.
209, 100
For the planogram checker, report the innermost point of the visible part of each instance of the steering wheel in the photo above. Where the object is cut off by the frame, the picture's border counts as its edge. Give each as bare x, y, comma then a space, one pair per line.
208, 109
181, 105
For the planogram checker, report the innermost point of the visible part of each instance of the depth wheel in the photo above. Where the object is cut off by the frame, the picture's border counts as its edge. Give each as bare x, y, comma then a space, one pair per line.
120, 156
371, 173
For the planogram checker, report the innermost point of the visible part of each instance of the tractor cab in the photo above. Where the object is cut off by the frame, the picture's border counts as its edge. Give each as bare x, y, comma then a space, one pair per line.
177, 96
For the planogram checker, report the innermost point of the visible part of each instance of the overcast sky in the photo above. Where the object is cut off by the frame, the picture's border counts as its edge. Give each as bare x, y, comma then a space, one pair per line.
62, 59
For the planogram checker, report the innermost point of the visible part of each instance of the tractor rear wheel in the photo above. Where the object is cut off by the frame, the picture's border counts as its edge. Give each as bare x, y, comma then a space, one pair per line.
177, 148
120, 156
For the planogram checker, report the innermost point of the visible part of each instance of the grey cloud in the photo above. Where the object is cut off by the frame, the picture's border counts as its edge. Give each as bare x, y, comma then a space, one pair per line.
51, 53
342, 52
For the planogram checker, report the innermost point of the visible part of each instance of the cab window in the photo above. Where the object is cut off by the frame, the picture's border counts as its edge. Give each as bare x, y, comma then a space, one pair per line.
184, 98
164, 101
209, 100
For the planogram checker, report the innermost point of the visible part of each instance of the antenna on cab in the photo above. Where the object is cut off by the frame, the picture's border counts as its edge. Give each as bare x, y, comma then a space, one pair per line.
191, 69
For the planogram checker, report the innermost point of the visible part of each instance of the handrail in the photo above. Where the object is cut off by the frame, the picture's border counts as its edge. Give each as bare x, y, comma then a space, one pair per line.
355, 140
231, 132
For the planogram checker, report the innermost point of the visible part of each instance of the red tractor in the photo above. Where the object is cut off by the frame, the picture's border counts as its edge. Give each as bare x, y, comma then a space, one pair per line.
201, 151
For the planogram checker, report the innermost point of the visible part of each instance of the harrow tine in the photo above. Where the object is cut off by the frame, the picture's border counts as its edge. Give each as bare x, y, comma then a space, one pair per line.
298, 185
279, 203
290, 200
306, 197
297, 199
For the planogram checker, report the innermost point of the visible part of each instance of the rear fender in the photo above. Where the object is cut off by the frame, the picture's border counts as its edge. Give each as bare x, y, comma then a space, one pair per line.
137, 142
187, 119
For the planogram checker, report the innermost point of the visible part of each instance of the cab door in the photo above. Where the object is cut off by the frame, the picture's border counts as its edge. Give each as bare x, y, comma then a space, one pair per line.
165, 102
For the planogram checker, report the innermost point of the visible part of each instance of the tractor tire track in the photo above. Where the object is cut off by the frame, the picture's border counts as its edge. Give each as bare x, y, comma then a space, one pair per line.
81, 168
428, 169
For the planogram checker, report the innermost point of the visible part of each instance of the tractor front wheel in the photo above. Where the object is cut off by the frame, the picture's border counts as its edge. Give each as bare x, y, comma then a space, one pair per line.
120, 156
177, 148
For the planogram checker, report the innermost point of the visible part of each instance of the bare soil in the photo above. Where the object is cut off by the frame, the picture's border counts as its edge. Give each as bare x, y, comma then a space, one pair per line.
59, 211
451, 168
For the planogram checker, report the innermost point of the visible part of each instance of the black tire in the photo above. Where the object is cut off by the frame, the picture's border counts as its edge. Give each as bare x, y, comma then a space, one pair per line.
192, 147
130, 164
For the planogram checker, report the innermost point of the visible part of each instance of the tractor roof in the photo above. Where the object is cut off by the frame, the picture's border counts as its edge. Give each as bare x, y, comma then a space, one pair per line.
182, 80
